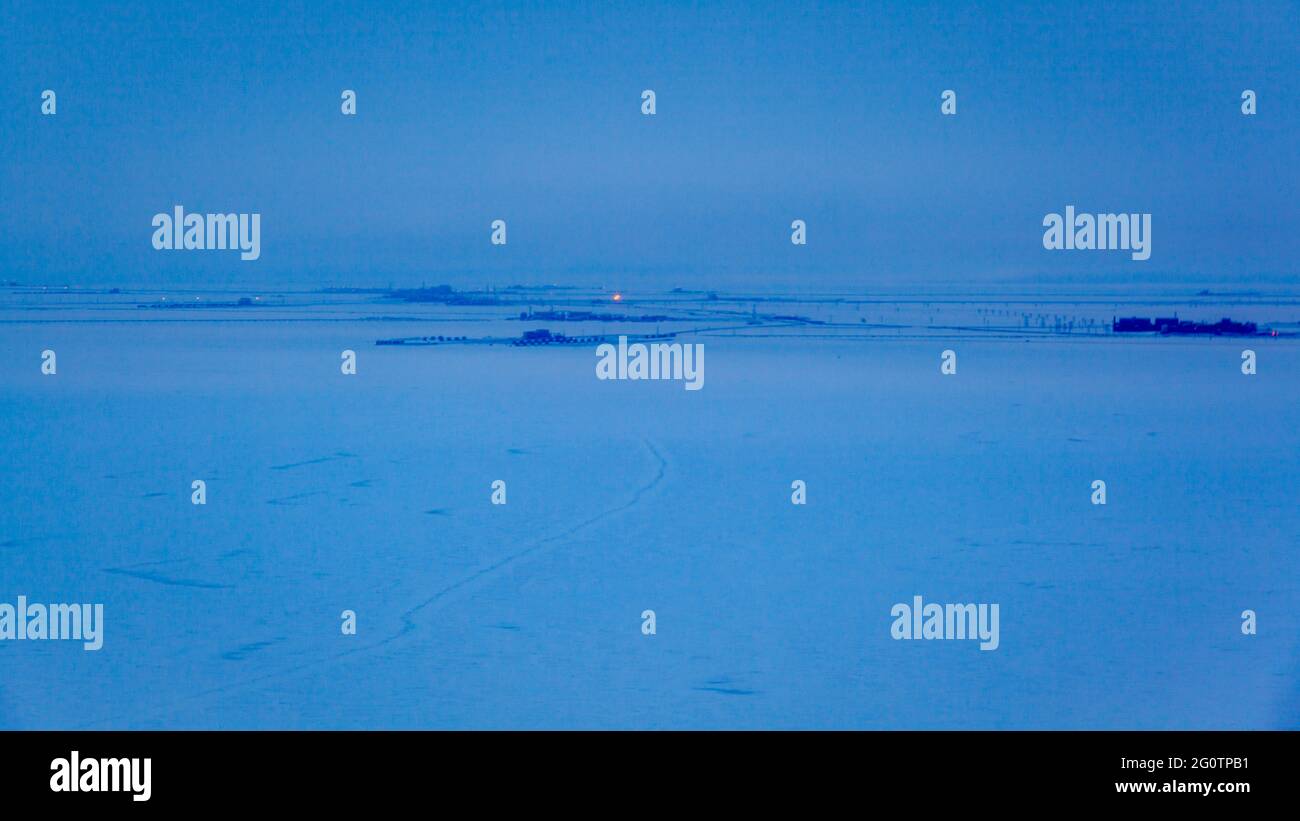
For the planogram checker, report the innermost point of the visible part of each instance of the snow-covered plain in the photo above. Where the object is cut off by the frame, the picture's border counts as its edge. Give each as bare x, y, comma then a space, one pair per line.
371, 493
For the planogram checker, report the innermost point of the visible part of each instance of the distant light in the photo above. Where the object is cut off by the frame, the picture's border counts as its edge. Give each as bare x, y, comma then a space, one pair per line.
618, 297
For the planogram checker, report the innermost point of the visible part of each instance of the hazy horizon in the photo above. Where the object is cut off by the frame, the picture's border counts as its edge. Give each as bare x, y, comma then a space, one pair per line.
765, 114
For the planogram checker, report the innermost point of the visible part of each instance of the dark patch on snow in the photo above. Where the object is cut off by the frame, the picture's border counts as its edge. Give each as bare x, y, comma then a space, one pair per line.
289, 500
318, 460
722, 685
241, 653
150, 576
727, 691
21, 542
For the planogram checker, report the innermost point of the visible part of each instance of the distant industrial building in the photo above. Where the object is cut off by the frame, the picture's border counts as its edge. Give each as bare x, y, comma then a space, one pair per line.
1176, 326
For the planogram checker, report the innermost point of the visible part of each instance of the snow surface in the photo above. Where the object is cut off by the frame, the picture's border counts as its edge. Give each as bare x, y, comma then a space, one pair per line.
371, 493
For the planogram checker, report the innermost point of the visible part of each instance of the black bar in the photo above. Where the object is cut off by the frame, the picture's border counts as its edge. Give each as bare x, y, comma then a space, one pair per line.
441, 770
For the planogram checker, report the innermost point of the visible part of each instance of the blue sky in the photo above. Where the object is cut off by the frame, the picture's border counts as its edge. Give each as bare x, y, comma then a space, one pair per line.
766, 113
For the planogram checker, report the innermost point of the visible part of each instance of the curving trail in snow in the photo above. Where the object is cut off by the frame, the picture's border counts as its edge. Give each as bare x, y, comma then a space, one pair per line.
408, 618
483, 574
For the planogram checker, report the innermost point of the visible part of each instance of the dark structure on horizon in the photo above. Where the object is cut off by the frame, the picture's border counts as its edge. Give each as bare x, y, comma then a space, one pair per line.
588, 316
541, 336
1179, 327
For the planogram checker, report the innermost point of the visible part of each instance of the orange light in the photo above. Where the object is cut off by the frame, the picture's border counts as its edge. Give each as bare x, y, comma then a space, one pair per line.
618, 297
